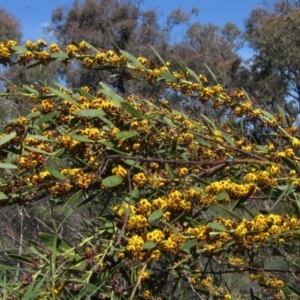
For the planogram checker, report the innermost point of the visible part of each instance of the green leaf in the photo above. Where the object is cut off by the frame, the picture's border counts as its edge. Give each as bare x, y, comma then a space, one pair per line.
49, 240
173, 146
286, 190
84, 93
7, 166
283, 114
126, 134
29, 89
48, 117
208, 120
222, 196
37, 137
293, 289
3, 196
227, 138
268, 115
59, 56
168, 121
168, 76
59, 152
253, 297
19, 49
158, 56
72, 201
217, 226
114, 97
149, 245
33, 65
7, 138
108, 122
231, 213
80, 138
190, 244
211, 73
62, 95
62, 87
290, 164
112, 181
193, 74
156, 215
89, 113
169, 171
132, 110
201, 141
21, 258
55, 173
131, 58
111, 146
37, 150
262, 149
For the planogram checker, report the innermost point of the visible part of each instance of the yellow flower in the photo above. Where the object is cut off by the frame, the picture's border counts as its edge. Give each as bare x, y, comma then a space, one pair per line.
54, 48
183, 171
155, 236
135, 244
295, 143
119, 170
143, 275
139, 179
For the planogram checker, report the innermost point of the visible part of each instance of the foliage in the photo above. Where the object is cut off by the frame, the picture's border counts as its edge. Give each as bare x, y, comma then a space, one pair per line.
184, 200
274, 35
125, 25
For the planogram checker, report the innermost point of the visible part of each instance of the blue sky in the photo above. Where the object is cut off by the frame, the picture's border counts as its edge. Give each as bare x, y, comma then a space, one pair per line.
35, 14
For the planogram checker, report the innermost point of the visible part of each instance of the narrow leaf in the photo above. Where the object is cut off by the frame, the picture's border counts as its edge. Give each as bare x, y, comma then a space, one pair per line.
80, 138
132, 58
89, 113
7, 138
217, 226
168, 77
290, 164
193, 74
29, 89
37, 150
72, 201
190, 244
156, 215
59, 56
55, 173
149, 245
227, 138
47, 118
62, 95
3, 196
21, 258
158, 56
112, 181
126, 134
268, 115
115, 98
84, 93
132, 110
211, 73
7, 166
221, 196
19, 49
168, 121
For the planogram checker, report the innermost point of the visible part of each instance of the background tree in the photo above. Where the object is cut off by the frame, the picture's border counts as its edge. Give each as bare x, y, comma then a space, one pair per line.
124, 24
10, 29
275, 36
